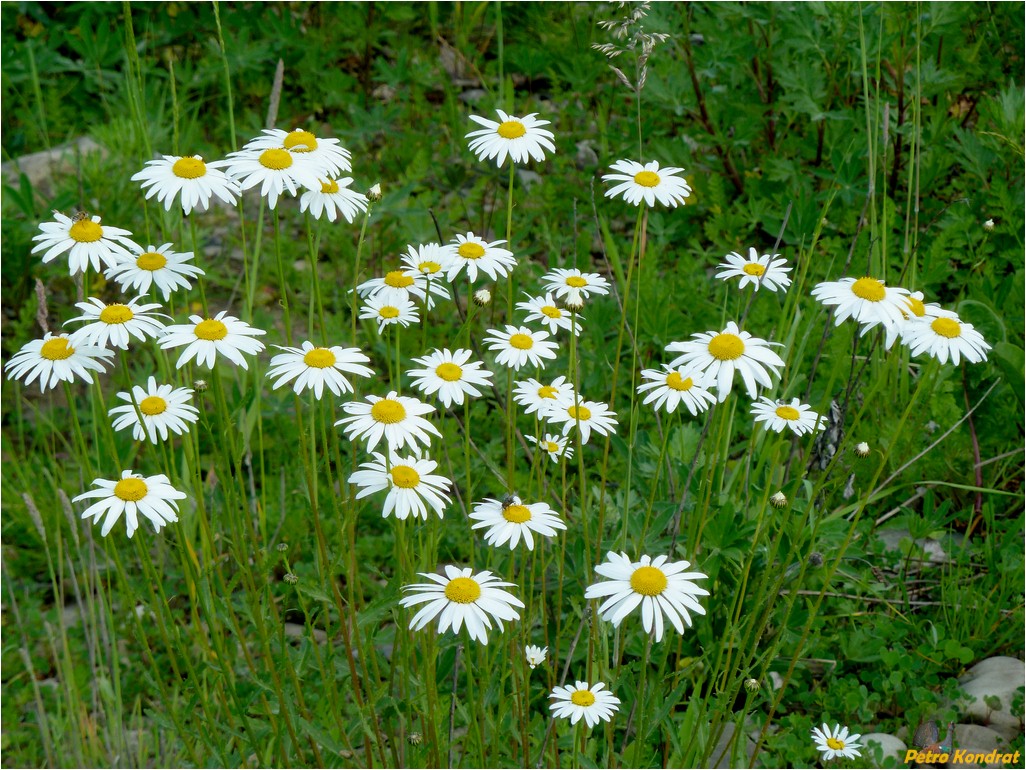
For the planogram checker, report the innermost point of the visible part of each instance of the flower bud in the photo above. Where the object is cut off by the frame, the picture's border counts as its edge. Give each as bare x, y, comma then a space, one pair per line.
778, 500
482, 297
374, 193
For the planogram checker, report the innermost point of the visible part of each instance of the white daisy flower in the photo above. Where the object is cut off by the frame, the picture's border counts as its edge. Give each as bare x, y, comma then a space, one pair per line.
537, 397
592, 702
764, 271
917, 308
395, 418
449, 374
510, 519
837, 742
116, 324
55, 359
544, 310
648, 183
554, 446
410, 483
573, 285
158, 265
868, 302
474, 253
87, 242
403, 284
779, 416
720, 354
430, 260
314, 367
206, 338
672, 386
324, 153
332, 198
659, 586
535, 655
518, 346
188, 177
165, 409
459, 598
590, 415
945, 336
152, 496
275, 169
520, 138
390, 310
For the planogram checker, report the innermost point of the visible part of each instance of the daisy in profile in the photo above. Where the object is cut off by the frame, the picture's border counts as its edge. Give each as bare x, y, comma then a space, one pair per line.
509, 520
412, 486
324, 153
673, 386
537, 397
917, 308
837, 742
475, 254
188, 178
573, 285
867, 301
589, 415
206, 338
429, 260
945, 336
779, 416
87, 242
720, 354
636, 183
452, 375
544, 310
117, 323
461, 597
403, 284
535, 655
592, 702
395, 418
133, 494
158, 266
659, 586
314, 367
55, 359
388, 311
275, 170
516, 347
520, 138
332, 198
760, 271
554, 446
165, 409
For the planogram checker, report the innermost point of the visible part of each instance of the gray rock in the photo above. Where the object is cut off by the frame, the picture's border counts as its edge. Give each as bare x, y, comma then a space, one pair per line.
725, 750
41, 167
998, 677
887, 745
973, 740
932, 549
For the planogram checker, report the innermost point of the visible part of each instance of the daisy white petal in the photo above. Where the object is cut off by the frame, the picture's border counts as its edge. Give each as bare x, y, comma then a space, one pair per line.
544, 310
510, 520
554, 446
188, 178
720, 354
397, 419
164, 409
593, 703
205, 339
116, 324
637, 183
519, 138
780, 416
516, 347
475, 254
325, 154
158, 266
671, 386
837, 742
56, 358
389, 310
451, 375
314, 367
332, 198
867, 301
764, 271
133, 494
412, 486
86, 241
945, 336
573, 411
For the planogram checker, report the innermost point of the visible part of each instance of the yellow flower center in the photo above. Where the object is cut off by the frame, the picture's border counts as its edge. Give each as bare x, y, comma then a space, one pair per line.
521, 342
329, 187
319, 358
56, 349
646, 178
835, 744
470, 250
726, 347
552, 312
85, 231
151, 261
429, 267
582, 698
404, 476
511, 129
397, 279
579, 412
550, 446
947, 327
301, 141
211, 330
576, 281
547, 391
189, 168
389, 312
388, 411
462, 590
152, 405
649, 581
449, 372
788, 413
674, 381
116, 314
917, 306
130, 490
275, 159
517, 514
754, 268
869, 289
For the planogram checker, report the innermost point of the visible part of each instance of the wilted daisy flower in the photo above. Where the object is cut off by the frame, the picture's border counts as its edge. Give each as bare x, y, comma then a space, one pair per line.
945, 336
143, 268
590, 415
54, 359
510, 519
862, 449
837, 742
518, 346
474, 253
574, 285
429, 260
449, 374
536, 397
673, 386
535, 655
115, 324
87, 242
459, 598
403, 284
191, 178
765, 271
482, 297
314, 367
152, 496
544, 309
648, 183
323, 153
395, 418
659, 586
520, 138
333, 197
205, 338
275, 169
720, 354
592, 702
778, 499
164, 408
554, 446
867, 301
779, 416
390, 310
410, 484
